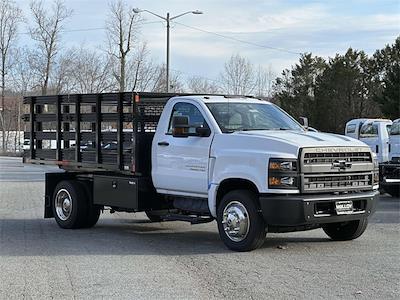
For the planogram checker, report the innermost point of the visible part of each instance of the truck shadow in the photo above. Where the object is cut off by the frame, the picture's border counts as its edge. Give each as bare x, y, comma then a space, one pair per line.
37, 237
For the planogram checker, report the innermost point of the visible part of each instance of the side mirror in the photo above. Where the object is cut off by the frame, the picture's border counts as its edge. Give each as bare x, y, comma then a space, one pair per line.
304, 122
203, 131
180, 126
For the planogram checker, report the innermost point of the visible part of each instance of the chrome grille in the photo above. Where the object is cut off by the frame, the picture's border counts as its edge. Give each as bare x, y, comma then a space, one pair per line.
329, 169
329, 158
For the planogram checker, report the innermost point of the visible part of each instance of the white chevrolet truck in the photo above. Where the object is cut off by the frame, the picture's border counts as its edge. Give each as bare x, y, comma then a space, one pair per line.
240, 161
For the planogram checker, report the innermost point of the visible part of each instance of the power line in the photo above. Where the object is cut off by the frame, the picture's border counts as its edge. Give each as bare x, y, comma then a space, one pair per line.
239, 40
93, 29
190, 27
220, 83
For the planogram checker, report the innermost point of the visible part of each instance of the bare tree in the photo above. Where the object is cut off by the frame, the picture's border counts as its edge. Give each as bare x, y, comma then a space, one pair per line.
10, 17
22, 77
159, 83
238, 76
122, 26
46, 31
264, 78
198, 84
61, 81
91, 72
138, 69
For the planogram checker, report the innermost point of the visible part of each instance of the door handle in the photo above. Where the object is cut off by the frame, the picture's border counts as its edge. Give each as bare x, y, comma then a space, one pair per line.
163, 144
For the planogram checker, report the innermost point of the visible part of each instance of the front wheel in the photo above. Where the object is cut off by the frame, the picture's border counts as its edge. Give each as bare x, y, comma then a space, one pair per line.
240, 225
346, 231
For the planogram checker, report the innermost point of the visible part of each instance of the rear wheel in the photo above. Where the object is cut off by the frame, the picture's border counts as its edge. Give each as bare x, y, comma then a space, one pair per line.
70, 204
93, 216
240, 225
93, 211
346, 231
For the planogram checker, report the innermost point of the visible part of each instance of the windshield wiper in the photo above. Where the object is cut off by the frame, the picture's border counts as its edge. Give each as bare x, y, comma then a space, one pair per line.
250, 129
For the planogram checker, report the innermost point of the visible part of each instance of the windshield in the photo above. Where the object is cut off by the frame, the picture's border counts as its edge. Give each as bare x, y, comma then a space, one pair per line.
395, 129
251, 116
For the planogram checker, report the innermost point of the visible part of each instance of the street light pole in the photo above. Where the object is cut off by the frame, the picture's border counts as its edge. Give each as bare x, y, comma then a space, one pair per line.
167, 19
167, 66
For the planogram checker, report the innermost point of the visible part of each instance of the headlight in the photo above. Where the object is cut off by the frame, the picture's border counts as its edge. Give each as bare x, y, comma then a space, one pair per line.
282, 173
375, 161
376, 169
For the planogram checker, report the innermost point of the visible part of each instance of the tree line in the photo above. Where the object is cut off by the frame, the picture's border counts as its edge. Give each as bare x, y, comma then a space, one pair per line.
328, 91
335, 90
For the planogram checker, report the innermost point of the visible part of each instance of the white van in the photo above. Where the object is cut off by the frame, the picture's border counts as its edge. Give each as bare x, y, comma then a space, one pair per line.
373, 132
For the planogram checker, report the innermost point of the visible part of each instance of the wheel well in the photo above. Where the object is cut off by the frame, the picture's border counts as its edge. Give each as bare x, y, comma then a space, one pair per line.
53, 179
231, 184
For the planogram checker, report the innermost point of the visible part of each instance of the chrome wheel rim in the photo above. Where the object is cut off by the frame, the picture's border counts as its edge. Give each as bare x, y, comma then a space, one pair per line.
236, 222
63, 204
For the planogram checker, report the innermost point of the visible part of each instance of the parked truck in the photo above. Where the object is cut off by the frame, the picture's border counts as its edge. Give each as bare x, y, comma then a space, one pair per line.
241, 161
382, 136
374, 133
390, 171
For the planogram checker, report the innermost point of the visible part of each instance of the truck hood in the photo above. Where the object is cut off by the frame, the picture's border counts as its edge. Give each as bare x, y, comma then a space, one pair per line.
304, 139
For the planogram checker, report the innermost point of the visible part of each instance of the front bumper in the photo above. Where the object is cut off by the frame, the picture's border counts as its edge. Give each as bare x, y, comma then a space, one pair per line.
389, 174
299, 210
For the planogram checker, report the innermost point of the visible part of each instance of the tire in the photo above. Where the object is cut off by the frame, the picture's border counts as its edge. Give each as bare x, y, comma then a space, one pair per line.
93, 217
345, 231
153, 217
240, 205
393, 191
70, 205
93, 214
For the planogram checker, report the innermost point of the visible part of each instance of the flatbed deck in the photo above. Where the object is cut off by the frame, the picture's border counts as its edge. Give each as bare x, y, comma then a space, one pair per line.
89, 132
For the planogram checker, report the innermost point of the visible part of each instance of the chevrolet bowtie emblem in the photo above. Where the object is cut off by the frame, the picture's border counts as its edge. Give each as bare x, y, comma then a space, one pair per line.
341, 165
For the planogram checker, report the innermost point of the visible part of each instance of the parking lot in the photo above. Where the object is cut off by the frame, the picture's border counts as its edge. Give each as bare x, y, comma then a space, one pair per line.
125, 256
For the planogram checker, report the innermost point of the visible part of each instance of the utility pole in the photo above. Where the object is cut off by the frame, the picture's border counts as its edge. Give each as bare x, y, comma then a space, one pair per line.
167, 19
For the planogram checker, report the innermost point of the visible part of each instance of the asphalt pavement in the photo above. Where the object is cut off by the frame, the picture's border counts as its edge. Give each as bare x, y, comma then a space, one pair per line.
126, 257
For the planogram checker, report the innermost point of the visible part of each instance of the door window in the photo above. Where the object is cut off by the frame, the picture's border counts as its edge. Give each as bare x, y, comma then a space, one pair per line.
369, 130
351, 128
395, 129
194, 115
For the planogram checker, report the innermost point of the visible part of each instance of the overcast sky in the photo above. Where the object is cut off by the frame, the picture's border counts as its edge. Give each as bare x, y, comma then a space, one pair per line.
321, 27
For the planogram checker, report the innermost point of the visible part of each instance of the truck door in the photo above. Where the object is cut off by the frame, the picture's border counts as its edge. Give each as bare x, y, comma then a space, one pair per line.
384, 130
369, 134
181, 163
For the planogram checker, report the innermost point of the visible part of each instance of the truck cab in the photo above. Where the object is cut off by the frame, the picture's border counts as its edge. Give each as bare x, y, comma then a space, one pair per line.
394, 142
241, 161
390, 171
374, 133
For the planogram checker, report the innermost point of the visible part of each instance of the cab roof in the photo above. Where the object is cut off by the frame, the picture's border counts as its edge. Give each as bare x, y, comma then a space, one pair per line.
225, 99
354, 121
